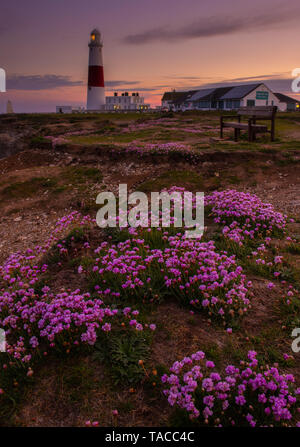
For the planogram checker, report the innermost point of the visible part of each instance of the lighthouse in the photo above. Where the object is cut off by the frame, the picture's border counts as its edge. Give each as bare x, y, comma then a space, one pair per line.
95, 93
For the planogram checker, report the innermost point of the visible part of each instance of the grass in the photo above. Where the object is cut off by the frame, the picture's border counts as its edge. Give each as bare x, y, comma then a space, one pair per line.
171, 178
28, 188
75, 382
145, 135
40, 142
81, 174
72, 175
293, 248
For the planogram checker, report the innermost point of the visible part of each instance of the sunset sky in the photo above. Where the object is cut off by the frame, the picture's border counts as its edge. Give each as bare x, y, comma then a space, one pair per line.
150, 46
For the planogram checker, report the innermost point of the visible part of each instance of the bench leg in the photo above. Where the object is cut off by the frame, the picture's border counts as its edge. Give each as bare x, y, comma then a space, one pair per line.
249, 132
273, 131
236, 134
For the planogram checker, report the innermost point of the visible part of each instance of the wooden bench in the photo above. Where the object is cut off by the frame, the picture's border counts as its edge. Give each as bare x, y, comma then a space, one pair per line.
254, 114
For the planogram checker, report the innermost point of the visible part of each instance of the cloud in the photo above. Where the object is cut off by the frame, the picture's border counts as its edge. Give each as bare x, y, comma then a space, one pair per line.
215, 26
120, 83
277, 82
49, 82
39, 82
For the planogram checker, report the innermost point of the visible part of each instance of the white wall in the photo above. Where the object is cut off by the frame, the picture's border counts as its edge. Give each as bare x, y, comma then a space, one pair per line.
261, 102
282, 106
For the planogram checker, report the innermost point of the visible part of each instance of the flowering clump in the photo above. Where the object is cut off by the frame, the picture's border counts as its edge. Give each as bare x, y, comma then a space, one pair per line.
158, 149
171, 150
35, 319
188, 269
248, 395
244, 215
66, 319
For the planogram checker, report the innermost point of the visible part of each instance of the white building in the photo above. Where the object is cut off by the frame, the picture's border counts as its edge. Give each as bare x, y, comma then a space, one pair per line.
69, 109
226, 98
287, 104
125, 101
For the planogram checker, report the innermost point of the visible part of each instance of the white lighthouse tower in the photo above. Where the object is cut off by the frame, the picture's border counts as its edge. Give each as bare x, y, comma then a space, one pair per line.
96, 93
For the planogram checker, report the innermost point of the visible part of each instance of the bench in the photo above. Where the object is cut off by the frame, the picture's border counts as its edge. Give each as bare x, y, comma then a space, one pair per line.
254, 114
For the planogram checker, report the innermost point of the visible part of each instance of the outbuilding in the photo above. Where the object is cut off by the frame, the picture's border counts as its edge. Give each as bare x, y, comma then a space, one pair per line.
226, 98
287, 104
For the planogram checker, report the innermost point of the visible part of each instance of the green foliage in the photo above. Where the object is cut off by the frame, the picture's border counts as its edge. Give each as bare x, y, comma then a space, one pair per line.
14, 383
171, 178
122, 353
76, 382
28, 188
75, 235
115, 235
81, 174
40, 142
180, 418
293, 248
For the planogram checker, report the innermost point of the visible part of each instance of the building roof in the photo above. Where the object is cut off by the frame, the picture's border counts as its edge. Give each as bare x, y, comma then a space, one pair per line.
220, 93
172, 96
214, 94
239, 91
202, 94
185, 96
285, 98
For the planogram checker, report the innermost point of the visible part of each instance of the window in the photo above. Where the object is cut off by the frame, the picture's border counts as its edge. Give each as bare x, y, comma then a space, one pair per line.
250, 102
228, 104
204, 104
236, 103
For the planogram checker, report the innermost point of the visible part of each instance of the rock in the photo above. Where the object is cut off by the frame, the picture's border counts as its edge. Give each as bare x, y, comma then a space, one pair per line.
207, 164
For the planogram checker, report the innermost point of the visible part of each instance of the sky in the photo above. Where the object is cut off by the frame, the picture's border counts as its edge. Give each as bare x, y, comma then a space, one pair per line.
150, 46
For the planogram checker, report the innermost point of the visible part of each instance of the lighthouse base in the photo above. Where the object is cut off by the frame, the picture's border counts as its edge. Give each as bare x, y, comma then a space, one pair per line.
96, 98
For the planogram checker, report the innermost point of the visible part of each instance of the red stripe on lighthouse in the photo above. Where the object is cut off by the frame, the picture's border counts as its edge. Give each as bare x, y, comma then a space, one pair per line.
96, 76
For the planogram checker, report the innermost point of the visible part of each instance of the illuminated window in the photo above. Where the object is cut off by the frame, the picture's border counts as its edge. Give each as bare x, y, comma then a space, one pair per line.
93, 37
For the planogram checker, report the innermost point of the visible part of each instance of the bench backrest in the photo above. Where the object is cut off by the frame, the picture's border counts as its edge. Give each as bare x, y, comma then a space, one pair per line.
266, 112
